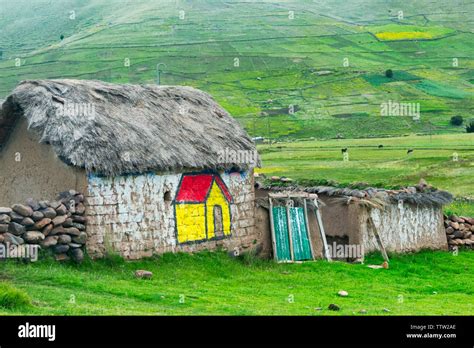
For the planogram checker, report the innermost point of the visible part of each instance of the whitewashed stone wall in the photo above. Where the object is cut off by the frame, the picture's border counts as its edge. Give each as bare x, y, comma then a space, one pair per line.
405, 228
130, 215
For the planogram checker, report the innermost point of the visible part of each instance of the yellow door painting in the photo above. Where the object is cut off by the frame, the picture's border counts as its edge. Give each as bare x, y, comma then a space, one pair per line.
202, 208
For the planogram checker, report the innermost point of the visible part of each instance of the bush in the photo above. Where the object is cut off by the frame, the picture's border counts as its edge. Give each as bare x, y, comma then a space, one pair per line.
470, 127
389, 73
11, 297
456, 120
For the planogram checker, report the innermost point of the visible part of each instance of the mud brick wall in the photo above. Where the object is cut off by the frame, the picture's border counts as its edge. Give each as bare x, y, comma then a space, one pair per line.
141, 215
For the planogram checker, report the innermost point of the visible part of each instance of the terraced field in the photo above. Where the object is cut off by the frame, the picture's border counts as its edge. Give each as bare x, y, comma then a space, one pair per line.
288, 70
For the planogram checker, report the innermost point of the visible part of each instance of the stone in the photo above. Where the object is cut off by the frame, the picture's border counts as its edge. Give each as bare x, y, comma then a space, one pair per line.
343, 293
333, 307
49, 213
469, 220
462, 227
467, 235
64, 239
2, 238
80, 239
3, 228
458, 234
5, 210
57, 230
16, 229
33, 204
386, 310
42, 223
449, 230
12, 239
79, 219
37, 216
275, 178
55, 204
454, 225
43, 204
27, 222
472, 228
80, 227
67, 222
16, 217
59, 220
456, 218
23, 210
80, 209
61, 210
143, 274
61, 248
47, 230
363, 311
72, 231
61, 257
75, 245
5, 219
33, 237
77, 255
79, 198
49, 241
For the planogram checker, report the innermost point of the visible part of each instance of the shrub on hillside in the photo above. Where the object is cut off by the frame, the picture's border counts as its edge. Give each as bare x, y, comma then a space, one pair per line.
456, 120
11, 297
470, 127
389, 73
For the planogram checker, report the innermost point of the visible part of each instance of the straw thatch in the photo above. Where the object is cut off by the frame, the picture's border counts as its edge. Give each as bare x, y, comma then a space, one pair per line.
132, 129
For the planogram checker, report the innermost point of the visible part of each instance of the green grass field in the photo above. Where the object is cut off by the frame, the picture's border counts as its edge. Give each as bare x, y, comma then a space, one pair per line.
427, 283
313, 162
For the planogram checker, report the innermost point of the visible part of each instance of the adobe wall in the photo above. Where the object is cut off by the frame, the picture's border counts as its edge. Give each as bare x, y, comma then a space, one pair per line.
30, 169
405, 228
134, 215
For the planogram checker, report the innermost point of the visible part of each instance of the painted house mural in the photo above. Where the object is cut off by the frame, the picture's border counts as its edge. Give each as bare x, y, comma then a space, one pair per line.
202, 208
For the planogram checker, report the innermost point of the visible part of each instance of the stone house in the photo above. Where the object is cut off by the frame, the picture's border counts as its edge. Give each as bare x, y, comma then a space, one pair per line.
148, 159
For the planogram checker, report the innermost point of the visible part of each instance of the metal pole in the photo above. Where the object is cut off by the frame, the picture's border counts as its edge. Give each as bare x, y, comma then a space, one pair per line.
158, 79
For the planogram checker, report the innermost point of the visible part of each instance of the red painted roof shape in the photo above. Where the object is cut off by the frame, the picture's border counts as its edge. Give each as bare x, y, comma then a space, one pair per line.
194, 188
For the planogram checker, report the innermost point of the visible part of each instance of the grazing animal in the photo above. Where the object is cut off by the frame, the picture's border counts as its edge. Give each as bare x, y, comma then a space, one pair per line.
344, 150
380, 146
409, 151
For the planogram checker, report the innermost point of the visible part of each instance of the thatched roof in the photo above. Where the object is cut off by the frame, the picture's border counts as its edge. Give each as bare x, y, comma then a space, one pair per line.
116, 129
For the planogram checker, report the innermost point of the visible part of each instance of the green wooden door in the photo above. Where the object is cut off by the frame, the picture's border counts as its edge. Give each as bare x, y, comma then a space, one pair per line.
282, 240
299, 232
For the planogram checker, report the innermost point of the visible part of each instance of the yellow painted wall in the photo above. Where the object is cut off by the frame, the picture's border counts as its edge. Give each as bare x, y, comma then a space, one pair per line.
190, 222
216, 197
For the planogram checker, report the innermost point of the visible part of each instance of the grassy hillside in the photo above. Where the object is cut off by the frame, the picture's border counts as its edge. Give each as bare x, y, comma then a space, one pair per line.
261, 59
427, 283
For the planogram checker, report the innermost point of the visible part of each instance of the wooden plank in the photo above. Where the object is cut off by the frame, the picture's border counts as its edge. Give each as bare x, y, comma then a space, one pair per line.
290, 235
272, 229
378, 239
308, 230
293, 195
321, 231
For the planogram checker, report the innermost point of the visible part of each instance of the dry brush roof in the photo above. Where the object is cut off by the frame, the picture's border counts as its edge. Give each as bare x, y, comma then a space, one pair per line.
131, 129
